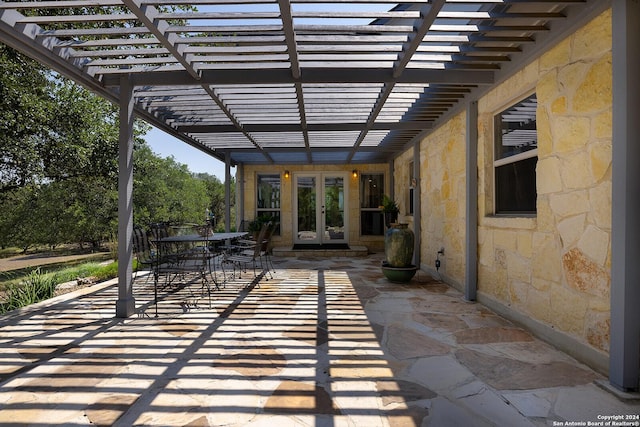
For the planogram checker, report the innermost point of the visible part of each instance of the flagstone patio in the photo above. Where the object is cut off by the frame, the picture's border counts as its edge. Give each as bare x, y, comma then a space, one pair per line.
327, 342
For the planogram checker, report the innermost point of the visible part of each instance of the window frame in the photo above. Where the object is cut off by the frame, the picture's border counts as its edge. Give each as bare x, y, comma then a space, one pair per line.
374, 209
269, 210
511, 159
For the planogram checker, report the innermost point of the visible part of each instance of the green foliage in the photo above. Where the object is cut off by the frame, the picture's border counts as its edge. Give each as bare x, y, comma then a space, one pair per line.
59, 165
256, 224
36, 287
389, 205
165, 191
216, 198
39, 285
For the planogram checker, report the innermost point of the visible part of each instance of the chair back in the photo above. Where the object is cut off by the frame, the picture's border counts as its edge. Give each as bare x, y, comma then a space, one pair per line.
141, 245
257, 251
160, 230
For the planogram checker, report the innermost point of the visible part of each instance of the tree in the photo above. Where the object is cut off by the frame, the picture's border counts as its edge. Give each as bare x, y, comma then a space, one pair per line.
216, 197
165, 191
26, 106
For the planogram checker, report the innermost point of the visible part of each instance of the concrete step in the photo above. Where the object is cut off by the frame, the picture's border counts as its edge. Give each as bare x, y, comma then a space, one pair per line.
352, 252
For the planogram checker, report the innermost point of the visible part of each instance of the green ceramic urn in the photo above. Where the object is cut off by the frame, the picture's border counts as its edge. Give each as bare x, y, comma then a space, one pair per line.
398, 245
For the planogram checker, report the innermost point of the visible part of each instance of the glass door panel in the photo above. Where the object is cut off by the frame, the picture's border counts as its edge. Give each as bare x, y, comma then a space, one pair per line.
334, 209
320, 204
306, 221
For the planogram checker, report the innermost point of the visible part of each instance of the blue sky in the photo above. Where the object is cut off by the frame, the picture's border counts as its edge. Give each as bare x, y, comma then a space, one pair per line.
165, 145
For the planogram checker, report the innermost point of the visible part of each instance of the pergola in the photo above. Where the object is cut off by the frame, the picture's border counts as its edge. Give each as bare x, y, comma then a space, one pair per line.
318, 82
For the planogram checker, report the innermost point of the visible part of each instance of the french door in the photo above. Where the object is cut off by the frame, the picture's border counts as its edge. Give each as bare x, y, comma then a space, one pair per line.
320, 208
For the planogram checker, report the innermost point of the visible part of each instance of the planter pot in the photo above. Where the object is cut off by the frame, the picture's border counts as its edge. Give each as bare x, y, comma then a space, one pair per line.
398, 274
398, 245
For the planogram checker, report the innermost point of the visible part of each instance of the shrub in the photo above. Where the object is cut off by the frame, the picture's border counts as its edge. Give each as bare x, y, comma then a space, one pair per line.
36, 287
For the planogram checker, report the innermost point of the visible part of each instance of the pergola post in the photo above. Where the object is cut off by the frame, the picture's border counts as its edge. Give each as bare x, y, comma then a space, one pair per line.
417, 210
125, 305
227, 192
239, 194
624, 353
471, 205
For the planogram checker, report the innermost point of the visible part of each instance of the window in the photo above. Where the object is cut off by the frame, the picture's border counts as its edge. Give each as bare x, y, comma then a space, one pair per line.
268, 198
371, 191
516, 156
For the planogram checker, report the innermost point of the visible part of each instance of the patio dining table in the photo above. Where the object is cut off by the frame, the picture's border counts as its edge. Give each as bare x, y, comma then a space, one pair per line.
191, 253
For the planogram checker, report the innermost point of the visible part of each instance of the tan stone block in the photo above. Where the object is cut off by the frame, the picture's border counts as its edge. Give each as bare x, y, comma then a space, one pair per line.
576, 171
593, 39
600, 199
539, 305
600, 154
545, 136
525, 243
518, 268
568, 310
594, 243
600, 304
571, 229
603, 125
569, 204
570, 76
485, 248
598, 329
546, 262
505, 239
595, 92
542, 285
584, 275
547, 88
571, 133
556, 56
559, 106
519, 293
548, 179
544, 216
493, 282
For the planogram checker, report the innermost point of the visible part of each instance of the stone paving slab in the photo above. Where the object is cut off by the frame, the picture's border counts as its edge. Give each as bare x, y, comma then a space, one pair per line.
326, 342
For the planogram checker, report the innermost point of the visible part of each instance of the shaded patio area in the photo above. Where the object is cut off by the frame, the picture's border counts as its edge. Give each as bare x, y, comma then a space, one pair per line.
328, 341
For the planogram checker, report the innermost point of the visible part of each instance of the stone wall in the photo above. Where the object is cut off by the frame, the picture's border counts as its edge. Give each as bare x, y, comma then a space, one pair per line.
442, 203
553, 267
556, 267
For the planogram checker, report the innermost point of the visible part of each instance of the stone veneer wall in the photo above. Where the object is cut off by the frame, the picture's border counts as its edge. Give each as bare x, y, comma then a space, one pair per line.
553, 270
375, 243
442, 185
556, 267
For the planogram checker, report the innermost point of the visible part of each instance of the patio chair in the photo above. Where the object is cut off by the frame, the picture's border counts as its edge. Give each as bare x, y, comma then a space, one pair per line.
145, 255
250, 253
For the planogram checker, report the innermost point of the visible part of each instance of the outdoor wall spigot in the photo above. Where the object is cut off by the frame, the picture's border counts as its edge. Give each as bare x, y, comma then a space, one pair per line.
438, 263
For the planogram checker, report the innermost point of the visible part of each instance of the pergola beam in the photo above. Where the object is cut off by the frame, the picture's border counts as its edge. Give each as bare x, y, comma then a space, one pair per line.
312, 127
307, 76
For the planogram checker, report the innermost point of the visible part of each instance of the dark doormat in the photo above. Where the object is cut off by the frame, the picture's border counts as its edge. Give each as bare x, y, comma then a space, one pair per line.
313, 246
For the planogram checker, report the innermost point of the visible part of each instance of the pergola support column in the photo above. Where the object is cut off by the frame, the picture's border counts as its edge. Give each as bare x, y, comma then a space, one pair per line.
417, 204
239, 194
227, 192
624, 353
125, 305
471, 205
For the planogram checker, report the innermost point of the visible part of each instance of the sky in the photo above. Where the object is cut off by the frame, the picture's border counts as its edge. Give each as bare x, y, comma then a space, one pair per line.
164, 145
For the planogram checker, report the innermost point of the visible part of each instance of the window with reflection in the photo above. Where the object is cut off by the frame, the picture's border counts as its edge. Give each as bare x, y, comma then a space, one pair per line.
515, 158
268, 198
371, 217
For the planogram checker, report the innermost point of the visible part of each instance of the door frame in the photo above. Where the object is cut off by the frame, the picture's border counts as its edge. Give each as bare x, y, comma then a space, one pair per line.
321, 237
